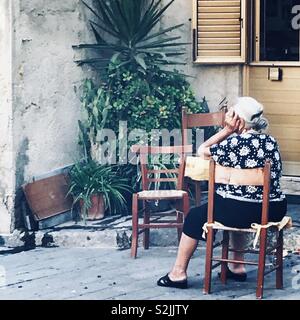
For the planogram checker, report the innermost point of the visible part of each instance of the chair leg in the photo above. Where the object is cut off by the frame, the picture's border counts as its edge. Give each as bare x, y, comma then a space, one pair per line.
279, 261
135, 221
225, 249
208, 261
147, 230
197, 194
261, 264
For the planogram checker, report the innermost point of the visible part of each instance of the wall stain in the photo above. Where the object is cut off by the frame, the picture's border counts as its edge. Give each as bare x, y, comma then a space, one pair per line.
22, 160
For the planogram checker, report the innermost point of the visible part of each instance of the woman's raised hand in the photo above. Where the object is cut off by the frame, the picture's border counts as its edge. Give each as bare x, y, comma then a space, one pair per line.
233, 123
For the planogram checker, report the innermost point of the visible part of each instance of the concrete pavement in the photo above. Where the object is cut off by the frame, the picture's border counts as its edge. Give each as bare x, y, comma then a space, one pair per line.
100, 274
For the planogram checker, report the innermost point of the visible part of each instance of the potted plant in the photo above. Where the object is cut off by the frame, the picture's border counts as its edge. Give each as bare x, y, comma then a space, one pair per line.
97, 188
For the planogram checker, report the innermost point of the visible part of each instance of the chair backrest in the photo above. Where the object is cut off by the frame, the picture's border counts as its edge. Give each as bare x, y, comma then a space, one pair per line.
194, 120
175, 175
242, 177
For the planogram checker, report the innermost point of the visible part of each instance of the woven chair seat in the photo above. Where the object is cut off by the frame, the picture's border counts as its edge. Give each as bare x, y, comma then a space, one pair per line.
161, 194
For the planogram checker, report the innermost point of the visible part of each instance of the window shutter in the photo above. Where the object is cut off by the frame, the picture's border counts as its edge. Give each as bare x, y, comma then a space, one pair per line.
219, 31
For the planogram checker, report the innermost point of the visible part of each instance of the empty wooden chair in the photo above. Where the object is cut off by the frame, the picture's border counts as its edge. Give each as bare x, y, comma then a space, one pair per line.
178, 196
199, 120
257, 177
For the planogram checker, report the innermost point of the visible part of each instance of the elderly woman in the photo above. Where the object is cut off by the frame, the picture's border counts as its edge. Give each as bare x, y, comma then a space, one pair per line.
241, 144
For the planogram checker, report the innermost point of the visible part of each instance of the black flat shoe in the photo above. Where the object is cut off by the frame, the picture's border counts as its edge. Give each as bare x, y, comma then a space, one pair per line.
167, 282
239, 277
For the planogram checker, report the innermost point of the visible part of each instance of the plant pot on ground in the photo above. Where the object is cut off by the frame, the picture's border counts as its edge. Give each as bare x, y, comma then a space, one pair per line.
98, 189
97, 209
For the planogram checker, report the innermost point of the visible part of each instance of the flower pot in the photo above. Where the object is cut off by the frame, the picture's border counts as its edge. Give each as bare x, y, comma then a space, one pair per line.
97, 210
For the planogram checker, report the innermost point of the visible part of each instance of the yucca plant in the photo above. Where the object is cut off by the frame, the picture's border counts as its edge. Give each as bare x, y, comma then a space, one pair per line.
88, 178
127, 33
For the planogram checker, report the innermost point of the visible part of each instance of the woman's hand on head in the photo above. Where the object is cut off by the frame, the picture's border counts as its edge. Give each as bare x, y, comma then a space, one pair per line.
233, 123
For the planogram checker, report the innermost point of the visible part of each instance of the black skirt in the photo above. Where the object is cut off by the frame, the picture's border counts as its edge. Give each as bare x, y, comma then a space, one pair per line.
231, 213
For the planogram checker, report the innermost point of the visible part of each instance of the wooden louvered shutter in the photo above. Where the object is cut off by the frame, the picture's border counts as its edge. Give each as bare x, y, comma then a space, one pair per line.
219, 31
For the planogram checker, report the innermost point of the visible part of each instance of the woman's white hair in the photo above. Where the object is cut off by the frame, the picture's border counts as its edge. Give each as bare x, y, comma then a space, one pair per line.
251, 111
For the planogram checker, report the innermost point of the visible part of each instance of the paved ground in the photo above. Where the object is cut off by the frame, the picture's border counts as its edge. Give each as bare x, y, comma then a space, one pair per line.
105, 273
90, 273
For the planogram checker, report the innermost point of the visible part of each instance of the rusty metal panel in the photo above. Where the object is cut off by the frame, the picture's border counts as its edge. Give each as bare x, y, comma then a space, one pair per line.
48, 197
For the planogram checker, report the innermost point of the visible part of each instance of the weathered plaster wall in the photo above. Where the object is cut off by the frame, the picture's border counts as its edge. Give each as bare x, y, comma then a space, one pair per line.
39, 85
45, 88
213, 82
6, 152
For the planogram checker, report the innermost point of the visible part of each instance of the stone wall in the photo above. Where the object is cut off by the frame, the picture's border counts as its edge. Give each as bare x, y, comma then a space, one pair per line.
40, 106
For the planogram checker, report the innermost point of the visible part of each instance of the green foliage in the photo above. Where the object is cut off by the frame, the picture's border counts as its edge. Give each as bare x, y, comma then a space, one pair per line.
88, 178
132, 49
147, 102
95, 109
127, 33
150, 102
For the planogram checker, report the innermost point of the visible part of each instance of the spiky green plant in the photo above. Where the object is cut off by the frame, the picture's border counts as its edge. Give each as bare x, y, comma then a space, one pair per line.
88, 178
127, 33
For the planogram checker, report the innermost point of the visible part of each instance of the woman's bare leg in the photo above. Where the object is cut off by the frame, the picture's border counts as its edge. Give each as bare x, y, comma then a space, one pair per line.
239, 242
187, 246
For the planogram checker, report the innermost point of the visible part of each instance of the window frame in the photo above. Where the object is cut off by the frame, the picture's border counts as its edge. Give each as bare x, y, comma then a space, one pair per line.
221, 59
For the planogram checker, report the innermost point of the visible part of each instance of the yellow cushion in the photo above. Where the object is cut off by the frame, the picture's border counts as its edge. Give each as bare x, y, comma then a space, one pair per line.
197, 168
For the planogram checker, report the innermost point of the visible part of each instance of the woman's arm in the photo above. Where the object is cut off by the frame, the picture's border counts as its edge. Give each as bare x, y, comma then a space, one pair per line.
233, 124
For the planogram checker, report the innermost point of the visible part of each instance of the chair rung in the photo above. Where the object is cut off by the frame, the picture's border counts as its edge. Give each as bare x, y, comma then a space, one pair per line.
235, 261
223, 228
244, 251
161, 225
162, 221
163, 214
162, 179
216, 265
216, 245
271, 270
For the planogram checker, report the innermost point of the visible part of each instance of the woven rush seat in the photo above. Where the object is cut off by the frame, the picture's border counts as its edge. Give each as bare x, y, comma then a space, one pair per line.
161, 194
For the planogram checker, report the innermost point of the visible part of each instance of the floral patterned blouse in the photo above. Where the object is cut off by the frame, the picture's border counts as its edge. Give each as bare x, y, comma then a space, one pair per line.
245, 151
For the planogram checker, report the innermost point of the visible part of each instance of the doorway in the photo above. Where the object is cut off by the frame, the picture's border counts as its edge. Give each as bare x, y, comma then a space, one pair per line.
273, 74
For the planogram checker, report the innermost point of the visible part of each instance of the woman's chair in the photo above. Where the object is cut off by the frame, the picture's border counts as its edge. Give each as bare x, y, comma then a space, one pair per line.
178, 195
257, 177
199, 120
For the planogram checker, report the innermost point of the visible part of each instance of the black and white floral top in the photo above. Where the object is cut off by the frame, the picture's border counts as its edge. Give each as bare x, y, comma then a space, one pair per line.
245, 151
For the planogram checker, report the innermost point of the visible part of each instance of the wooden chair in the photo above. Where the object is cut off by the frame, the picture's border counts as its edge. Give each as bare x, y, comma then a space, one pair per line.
190, 121
257, 177
178, 195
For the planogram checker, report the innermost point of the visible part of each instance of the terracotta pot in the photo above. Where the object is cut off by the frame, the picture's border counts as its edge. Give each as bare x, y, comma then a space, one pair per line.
97, 210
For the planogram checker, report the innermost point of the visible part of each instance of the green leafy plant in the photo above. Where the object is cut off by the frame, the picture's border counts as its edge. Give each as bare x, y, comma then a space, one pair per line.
145, 101
89, 178
131, 48
127, 34
95, 109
